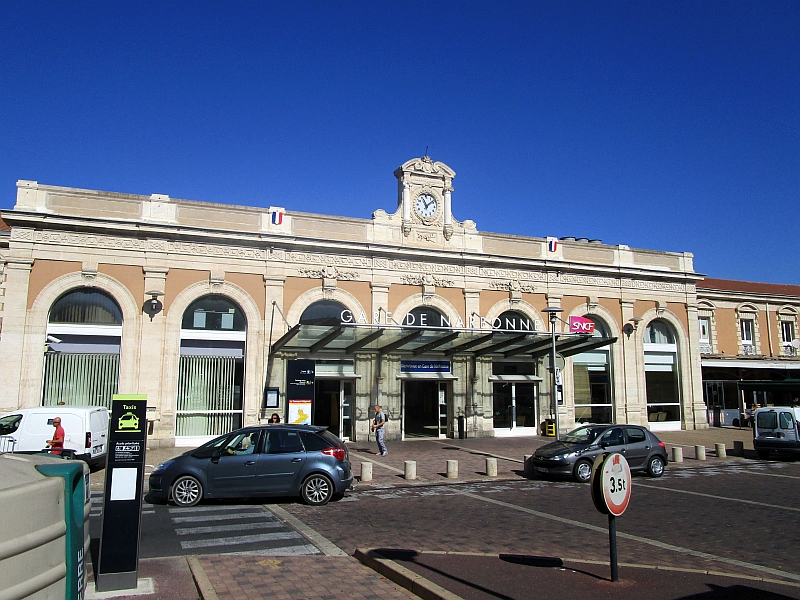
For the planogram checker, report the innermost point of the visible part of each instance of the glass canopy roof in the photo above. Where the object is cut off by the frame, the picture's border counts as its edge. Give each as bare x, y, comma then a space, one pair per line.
415, 341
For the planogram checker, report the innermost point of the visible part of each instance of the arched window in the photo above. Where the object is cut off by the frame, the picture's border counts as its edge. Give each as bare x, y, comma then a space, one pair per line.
81, 363
86, 306
591, 376
211, 370
513, 320
323, 312
425, 316
214, 313
659, 332
662, 376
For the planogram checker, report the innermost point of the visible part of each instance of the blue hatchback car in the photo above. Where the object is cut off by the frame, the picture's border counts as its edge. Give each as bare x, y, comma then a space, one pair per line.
270, 460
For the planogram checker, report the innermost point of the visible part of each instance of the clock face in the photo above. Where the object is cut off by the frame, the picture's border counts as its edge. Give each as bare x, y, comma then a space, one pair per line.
425, 205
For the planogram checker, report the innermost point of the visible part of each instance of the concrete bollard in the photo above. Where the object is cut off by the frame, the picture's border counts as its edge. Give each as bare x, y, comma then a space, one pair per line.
527, 465
700, 452
491, 466
677, 454
738, 448
721, 450
411, 469
366, 471
452, 469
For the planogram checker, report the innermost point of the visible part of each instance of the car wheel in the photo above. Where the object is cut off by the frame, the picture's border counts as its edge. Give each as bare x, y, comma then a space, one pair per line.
763, 454
317, 490
655, 466
187, 491
583, 471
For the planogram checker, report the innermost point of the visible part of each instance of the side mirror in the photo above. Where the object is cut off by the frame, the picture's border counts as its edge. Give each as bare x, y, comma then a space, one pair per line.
215, 456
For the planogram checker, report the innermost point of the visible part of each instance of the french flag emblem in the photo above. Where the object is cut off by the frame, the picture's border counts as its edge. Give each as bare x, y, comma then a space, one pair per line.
277, 215
552, 244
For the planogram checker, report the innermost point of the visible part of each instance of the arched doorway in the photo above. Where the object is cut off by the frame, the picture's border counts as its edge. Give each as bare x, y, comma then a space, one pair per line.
425, 395
211, 370
514, 383
662, 376
591, 377
334, 380
81, 361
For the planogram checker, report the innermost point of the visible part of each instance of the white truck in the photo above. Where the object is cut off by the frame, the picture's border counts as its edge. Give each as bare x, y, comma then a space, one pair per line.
775, 429
27, 430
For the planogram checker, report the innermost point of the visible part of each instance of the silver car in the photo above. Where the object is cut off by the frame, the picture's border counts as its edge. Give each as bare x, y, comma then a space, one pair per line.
574, 454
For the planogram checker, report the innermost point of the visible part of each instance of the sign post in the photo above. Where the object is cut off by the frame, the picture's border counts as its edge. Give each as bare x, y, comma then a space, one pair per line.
611, 493
118, 562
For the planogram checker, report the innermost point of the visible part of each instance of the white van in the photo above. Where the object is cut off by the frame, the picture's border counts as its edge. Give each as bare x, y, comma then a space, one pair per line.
775, 428
85, 430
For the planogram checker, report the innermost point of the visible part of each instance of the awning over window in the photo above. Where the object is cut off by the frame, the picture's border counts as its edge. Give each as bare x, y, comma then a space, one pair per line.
416, 341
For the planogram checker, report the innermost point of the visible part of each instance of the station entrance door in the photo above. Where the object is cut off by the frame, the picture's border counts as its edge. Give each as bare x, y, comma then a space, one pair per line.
333, 406
425, 408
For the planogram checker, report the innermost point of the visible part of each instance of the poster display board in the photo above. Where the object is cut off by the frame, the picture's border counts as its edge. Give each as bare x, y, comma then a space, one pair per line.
300, 377
118, 562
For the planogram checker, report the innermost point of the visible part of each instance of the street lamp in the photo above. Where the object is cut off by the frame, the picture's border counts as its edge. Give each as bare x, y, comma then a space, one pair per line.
552, 313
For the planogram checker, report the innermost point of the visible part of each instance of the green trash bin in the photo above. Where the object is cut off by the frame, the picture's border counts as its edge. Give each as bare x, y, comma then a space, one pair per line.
76, 496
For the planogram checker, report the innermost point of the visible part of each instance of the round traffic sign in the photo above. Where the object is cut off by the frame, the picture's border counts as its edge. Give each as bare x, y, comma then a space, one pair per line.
560, 362
611, 484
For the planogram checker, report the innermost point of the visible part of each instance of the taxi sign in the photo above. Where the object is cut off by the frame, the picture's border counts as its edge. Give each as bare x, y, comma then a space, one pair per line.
611, 484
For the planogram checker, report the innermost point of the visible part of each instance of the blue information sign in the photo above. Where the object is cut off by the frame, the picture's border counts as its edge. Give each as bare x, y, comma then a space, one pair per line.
424, 366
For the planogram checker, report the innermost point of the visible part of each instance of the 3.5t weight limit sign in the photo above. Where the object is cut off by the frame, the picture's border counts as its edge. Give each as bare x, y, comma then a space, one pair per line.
611, 486
611, 493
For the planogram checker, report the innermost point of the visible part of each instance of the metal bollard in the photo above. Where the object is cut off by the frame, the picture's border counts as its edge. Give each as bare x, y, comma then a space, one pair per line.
721, 453
527, 465
411, 469
366, 471
738, 448
491, 466
677, 454
452, 469
700, 452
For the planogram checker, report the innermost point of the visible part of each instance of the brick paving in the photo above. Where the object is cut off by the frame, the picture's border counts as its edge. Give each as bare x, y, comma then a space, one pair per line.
447, 520
249, 577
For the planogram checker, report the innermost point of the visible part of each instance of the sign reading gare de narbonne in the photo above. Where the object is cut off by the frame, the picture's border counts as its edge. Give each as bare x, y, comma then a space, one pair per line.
424, 319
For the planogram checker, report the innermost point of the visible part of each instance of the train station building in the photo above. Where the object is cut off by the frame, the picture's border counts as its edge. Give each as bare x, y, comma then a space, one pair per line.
223, 314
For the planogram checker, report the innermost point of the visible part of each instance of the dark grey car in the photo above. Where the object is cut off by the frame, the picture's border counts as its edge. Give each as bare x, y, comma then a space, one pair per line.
271, 460
574, 454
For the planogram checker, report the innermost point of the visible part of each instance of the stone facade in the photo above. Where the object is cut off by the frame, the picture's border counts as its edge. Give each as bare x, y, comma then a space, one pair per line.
274, 263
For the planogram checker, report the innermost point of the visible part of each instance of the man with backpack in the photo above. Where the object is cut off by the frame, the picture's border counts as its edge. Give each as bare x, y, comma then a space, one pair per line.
378, 427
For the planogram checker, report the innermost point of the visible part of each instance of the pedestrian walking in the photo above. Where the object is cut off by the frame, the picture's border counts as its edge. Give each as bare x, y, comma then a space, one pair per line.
378, 427
57, 443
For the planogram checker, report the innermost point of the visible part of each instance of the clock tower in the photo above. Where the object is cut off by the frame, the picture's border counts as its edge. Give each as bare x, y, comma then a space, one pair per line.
423, 195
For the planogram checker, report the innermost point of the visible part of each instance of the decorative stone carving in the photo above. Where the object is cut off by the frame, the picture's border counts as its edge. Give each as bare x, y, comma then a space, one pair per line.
216, 280
427, 279
448, 231
330, 272
89, 273
513, 285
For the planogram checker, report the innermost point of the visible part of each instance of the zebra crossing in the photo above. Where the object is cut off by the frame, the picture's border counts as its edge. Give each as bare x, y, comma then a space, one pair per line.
218, 528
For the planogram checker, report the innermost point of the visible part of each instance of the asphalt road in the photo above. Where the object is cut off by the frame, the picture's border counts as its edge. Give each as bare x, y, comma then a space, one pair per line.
738, 517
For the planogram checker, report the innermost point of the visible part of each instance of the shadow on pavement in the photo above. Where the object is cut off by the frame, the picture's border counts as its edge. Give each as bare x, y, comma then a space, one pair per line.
735, 592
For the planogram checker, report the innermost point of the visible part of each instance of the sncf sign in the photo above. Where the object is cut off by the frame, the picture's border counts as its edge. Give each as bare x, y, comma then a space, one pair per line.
581, 325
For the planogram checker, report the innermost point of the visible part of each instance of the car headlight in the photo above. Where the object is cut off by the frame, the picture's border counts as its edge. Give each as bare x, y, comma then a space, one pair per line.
163, 466
565, 456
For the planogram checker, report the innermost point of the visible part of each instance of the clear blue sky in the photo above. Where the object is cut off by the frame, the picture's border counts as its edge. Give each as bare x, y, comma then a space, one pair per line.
663, 125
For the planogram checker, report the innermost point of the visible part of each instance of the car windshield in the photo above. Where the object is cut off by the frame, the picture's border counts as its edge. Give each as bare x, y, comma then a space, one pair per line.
9, 424
583, 435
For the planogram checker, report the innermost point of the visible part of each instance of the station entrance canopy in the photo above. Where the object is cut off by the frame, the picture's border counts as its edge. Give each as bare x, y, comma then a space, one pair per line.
350, 338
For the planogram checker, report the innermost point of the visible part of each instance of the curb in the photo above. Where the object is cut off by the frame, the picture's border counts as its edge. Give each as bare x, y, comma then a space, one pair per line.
201, 580
416, 584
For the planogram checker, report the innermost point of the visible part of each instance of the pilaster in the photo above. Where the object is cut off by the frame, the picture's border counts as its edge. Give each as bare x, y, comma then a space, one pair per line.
12, 396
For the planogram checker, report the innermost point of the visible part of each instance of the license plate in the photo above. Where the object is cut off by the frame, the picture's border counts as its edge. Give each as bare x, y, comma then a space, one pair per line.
542, 470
